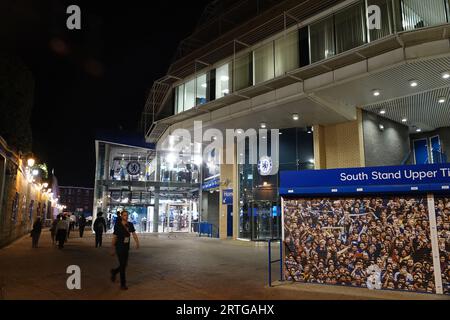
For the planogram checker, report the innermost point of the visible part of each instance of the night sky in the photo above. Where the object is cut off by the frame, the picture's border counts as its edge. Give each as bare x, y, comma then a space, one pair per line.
95, 78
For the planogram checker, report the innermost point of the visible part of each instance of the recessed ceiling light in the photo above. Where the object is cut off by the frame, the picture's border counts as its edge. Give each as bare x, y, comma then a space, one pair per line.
381, 127
418, 130
413, 83
295, 116
442, 100
404, 120
446, 75
263, 125
376, 93
382, 111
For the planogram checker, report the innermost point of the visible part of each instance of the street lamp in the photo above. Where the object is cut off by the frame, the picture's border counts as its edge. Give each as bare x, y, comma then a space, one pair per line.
45, 185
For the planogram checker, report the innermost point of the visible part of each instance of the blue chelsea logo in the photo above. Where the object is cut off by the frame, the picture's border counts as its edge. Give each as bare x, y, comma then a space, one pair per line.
265, 166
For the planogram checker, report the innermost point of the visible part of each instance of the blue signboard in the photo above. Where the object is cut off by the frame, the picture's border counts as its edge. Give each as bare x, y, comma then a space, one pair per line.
211, 184
415, 178
227, 196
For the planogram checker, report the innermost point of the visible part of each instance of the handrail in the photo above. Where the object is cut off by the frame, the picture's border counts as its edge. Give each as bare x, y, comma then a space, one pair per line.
270, 261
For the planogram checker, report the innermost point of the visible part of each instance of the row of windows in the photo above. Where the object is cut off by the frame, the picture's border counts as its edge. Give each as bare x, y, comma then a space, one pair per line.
335, 34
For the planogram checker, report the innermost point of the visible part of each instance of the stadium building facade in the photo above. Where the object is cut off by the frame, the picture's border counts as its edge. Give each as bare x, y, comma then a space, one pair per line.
348, 84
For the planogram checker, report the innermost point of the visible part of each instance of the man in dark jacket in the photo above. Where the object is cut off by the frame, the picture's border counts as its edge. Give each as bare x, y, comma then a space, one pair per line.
99, 227
81, 225
36, 232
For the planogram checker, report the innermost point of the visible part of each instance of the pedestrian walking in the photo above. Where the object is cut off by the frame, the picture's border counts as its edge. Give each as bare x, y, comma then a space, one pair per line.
121, 246
61, 231
81, 225
53, 228
99, 227
36, 232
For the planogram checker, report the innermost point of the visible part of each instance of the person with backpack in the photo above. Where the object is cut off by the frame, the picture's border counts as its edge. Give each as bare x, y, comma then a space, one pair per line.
99, 227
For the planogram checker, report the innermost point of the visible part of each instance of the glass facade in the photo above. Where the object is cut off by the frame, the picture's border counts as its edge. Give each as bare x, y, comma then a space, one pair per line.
260, 208
346, 29
160, 190
350, 28
419, 14
242, 73
287, 53
321, 40
263, 63
223, 81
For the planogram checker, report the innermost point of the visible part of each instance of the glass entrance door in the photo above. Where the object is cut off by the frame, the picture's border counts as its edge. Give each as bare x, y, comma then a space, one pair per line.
265, 222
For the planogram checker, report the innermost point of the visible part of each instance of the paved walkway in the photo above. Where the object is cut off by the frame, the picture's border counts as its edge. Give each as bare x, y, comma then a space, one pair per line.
165, 267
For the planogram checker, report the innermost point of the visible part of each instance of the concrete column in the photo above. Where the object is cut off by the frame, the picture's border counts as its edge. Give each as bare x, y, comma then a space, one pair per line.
156, 210
339, 145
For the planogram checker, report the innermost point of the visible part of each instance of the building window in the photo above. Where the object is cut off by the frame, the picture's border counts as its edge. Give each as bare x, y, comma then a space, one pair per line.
350, 28
201, 90
419, 14
387, 25
264, 68
286, 53
321, 38
179, 99
189, 95
223, 81
242, 72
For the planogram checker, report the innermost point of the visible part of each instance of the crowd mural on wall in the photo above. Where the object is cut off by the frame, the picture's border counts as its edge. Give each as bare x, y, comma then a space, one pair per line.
371, 242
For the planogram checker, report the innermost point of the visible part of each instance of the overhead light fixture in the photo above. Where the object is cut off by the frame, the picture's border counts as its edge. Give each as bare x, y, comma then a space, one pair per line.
442, 100
30, 162
418, 130
413, 83
376, 92
295, 116
446, 75
404, 120
239, 131
35, 172
263, 125
309, 130
382, 111
381, 127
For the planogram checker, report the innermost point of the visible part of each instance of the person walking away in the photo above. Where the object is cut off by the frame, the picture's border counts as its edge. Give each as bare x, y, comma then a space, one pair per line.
121, 246
81, 225
53, 228
99, 227
61, 231
36, 232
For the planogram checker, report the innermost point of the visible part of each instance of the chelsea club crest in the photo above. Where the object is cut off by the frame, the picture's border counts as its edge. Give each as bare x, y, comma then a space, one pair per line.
265, 166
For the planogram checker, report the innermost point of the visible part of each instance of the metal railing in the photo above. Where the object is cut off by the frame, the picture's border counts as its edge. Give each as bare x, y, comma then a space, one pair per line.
270, 261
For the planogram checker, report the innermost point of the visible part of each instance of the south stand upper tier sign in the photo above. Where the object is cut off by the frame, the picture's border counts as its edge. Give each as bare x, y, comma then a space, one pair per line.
133, 168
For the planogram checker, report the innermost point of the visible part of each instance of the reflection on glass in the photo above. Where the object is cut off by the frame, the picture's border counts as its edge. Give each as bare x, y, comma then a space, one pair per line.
189, 95
418, 13
386, 19
322, 39
350, 28
202, 87
242, 72
179, 98
222, 81
286, 53
263, 63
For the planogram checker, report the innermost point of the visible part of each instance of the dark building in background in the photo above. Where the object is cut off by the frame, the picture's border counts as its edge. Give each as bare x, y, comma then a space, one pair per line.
77, 199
